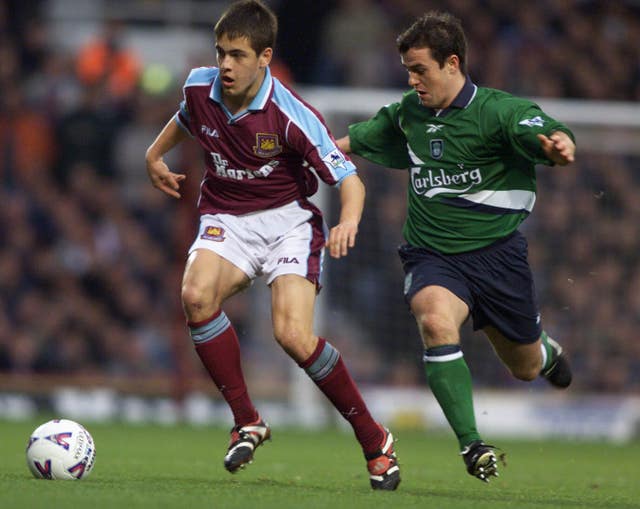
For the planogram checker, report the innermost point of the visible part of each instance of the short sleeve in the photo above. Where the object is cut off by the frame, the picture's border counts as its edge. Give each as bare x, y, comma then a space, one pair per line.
381, 139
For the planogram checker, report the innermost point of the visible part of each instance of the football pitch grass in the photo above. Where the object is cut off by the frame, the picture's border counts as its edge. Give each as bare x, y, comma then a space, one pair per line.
151, 466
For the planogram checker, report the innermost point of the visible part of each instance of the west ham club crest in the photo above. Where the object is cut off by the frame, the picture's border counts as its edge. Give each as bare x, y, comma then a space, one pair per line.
267, 145
215, 233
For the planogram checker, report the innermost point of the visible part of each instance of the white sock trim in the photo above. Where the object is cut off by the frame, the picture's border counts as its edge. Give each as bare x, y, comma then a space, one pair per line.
544, 355
442, 358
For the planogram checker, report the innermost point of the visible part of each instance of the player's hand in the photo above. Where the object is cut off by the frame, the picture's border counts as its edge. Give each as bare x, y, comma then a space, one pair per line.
558, 147
341, 238
163, 178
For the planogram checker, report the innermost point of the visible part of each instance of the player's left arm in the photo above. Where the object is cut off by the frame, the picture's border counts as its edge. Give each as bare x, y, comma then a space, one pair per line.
344, 144
342, 236
308, 135
558, 147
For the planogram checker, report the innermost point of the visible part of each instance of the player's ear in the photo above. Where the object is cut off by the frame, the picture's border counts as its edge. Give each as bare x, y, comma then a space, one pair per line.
265, 57
453, 64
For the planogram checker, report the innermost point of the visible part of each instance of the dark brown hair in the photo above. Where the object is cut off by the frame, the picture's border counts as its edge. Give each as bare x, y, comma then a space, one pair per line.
251, 19
441, 32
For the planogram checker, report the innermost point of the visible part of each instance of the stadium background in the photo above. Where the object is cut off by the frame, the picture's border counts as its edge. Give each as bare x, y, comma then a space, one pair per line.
91, 255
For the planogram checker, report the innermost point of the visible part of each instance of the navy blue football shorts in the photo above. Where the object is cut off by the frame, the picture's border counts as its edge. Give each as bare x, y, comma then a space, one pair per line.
495, 282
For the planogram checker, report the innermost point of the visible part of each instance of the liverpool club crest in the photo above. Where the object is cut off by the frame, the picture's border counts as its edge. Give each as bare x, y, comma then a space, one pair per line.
437, 148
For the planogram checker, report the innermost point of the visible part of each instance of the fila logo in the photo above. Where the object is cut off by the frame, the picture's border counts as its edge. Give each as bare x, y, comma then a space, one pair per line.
213, 133
434, 128
286, 259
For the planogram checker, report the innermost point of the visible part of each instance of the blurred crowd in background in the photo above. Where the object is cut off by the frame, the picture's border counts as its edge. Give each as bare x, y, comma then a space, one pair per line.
91, 255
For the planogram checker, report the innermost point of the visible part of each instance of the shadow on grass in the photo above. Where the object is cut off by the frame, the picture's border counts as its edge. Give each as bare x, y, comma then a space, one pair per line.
454, 495
356, 487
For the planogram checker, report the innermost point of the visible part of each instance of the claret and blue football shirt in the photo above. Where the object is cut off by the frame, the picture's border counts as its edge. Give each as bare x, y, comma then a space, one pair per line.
263, 157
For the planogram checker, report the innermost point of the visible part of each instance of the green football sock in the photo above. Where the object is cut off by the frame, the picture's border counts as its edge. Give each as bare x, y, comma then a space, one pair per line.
450, 381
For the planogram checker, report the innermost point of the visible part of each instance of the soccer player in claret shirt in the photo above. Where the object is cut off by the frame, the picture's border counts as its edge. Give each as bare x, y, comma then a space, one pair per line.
471, 154
263, 147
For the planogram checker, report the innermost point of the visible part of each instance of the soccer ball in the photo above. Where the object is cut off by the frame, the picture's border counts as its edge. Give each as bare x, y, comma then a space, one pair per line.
60, 449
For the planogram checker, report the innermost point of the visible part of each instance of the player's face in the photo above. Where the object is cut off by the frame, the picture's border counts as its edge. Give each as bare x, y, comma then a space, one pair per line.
241, 70
436, 86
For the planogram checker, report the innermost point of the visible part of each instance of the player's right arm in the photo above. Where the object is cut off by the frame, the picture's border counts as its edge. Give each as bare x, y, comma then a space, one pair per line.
159, 173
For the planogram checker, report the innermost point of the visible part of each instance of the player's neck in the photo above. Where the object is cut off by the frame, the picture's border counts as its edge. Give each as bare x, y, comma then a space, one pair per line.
456, 87
240, 102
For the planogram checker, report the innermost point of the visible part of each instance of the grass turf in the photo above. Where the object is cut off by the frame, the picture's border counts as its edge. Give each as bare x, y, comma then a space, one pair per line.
141, 466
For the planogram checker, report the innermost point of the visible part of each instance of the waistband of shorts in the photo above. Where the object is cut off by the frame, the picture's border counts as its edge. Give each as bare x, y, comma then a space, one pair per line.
493, 245
473, 252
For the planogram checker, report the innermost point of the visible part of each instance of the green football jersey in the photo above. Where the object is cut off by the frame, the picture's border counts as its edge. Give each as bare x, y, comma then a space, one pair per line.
471, 167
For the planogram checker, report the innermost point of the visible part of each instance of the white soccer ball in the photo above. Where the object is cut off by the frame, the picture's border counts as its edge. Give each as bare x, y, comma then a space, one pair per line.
61, 449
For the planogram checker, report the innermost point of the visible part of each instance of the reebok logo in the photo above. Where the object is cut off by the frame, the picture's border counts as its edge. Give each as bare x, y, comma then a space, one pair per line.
434, 128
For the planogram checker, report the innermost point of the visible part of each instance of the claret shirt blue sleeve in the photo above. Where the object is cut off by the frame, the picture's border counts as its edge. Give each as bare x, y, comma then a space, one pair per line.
197, 77
182, 117
308, 134
269, 154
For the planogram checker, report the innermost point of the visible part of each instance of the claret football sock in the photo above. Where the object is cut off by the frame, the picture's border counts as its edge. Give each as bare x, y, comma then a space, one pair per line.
327, 369
450, 381
217, 346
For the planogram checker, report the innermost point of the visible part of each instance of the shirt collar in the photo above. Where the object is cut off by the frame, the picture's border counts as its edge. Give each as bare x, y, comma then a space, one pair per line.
465, 96
259, 101
462, 100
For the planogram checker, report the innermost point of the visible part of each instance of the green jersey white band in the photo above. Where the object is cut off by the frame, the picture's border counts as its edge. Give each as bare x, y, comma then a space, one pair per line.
472, 177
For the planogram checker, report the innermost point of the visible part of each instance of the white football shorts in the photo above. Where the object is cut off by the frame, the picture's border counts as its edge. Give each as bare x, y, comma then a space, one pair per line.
285, 240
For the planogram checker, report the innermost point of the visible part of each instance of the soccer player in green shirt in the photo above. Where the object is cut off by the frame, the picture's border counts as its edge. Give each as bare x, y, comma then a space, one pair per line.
471, 153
